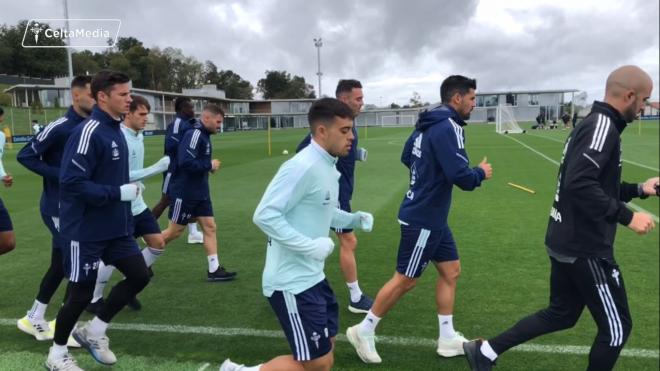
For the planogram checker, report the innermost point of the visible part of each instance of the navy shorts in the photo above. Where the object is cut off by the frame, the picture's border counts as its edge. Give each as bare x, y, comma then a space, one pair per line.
346, 206
309, 320
183, 212
53, 225
418, 246
166, 182
5, 220
144, 223
81, 258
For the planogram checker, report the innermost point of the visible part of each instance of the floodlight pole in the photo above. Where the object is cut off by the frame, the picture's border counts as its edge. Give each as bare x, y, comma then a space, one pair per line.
68, 41
319, 43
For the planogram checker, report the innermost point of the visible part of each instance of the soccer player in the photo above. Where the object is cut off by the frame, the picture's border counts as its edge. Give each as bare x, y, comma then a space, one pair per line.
587, 206
43, 156
296, 212
185, 118
96, 222
144, 223
7, 238
436, 157
190, 196
349, 92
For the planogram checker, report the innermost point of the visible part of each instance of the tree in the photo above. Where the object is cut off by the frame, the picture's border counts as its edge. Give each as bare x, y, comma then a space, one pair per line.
18, 60
280, 85
232, 83
394, 106
416, 100
84, 63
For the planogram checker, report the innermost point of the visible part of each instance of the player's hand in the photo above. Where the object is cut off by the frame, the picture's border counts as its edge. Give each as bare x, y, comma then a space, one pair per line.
641, 223
650, 187
366, 220
129, 192
163, 164
485, 166
8, 180
215, 165
323, 247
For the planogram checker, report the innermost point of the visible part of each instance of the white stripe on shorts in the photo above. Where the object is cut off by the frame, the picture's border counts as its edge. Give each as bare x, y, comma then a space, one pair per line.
417, 253
302, 349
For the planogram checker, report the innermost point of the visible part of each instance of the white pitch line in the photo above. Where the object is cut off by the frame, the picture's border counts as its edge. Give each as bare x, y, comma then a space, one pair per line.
389, 340
624, 160
632, 205
204, 366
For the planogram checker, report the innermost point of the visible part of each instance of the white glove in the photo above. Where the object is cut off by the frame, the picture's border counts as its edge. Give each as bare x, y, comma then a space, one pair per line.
361, 154
162, 164
364, 220
142, 187
323, 247
129, 192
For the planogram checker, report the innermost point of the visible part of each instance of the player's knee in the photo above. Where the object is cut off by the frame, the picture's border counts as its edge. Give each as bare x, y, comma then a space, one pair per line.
140, 281
348, 241
324, 363
209, 228
7, 244
406, 283
158, 243
81, 292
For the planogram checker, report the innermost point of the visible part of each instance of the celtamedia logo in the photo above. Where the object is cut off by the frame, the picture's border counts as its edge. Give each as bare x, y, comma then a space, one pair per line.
81, 33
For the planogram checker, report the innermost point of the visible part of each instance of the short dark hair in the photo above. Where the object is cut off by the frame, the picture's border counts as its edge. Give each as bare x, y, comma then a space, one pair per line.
214, 109
81, 81
35, 121
179, 102
324, 111
138, 101
105, 80
2, 112
345, 86
456, 84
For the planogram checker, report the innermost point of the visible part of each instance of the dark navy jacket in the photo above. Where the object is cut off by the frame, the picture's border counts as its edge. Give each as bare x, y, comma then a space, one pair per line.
193, 165
94, 166
345, 166
43, 155
435, 154
173, 135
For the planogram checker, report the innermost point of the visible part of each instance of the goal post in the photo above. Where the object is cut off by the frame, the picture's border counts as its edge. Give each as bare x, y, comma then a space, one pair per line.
505, 122
397, 120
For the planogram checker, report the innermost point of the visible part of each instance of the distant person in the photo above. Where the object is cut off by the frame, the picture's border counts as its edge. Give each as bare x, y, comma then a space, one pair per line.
587, 206
575, 118
566, 119
7, 238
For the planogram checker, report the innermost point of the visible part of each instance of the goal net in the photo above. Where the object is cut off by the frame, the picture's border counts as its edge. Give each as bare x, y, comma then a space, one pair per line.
505, 122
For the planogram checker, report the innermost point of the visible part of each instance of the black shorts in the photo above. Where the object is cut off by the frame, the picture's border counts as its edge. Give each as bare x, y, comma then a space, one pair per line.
144, 223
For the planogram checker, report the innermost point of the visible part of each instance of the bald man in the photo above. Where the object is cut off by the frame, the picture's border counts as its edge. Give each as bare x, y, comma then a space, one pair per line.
587, 206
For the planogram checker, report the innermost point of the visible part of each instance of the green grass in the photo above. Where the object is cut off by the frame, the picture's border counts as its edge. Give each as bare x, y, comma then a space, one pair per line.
499, 231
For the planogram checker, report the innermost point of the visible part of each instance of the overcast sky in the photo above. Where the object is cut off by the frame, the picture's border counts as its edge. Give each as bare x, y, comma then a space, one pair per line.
394, 47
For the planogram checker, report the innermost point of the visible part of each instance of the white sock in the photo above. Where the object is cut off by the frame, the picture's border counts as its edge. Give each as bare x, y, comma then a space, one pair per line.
214, 264
192, 228
487, 351
354, 290
36, 313
102, 278
253, 368
58, 351
150, 255
446, 326
96, 328
369, 323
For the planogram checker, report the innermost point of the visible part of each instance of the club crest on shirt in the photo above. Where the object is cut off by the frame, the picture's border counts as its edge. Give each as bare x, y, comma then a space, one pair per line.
115, 151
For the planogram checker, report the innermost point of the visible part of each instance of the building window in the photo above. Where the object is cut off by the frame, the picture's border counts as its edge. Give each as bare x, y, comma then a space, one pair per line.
533, 100
491, 100
480, 100
512, 99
